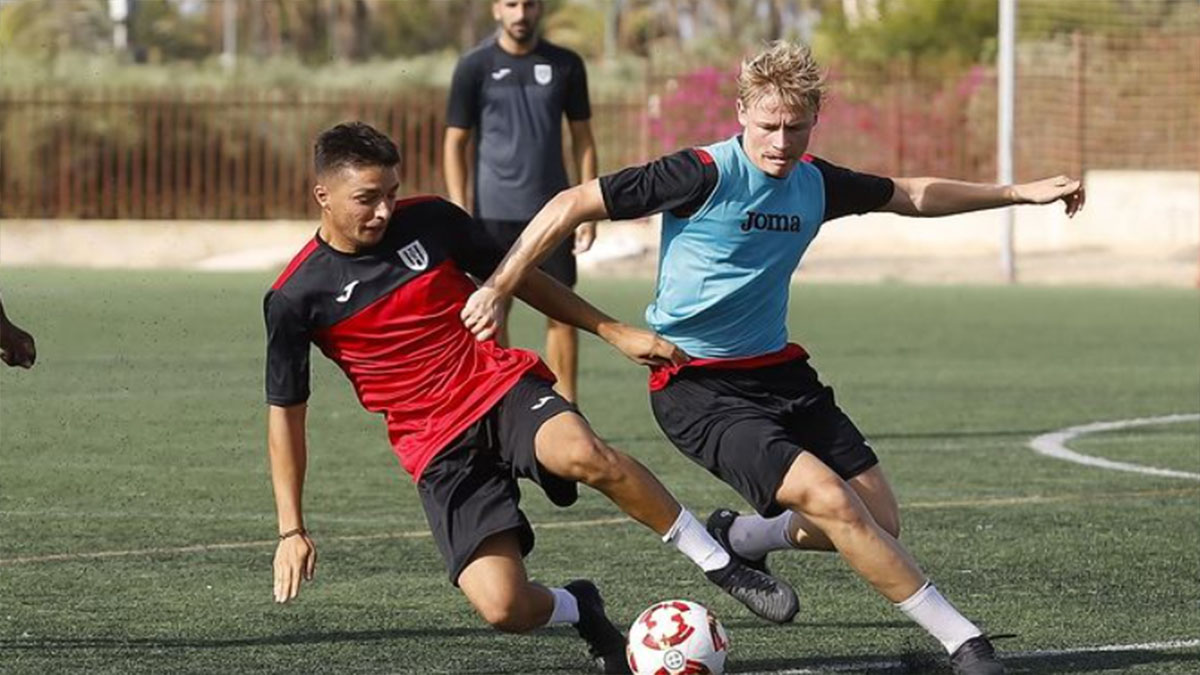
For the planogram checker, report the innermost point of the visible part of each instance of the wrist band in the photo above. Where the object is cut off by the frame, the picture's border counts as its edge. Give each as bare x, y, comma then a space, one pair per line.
293, 532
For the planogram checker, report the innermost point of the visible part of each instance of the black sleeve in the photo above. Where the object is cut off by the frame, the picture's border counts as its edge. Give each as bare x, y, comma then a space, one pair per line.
679, 183
578, 106
462, 106
288, 339
473, 249
849, 192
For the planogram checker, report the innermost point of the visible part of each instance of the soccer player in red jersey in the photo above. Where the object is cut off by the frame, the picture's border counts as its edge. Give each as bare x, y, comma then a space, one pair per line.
379, 290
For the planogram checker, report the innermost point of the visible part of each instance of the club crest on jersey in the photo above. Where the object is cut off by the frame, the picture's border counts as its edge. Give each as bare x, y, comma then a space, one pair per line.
772, 222
414, 256
542, 73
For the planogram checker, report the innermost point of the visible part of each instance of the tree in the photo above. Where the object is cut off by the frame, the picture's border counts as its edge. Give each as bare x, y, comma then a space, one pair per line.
920, 35
33, 28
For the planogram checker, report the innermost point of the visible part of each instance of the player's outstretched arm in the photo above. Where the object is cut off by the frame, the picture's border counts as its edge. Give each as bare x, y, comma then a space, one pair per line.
942, 196
16, 346
557, 219
296, 555
548, 296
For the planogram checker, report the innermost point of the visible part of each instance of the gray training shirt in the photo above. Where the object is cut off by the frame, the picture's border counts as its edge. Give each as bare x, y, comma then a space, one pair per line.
516, 104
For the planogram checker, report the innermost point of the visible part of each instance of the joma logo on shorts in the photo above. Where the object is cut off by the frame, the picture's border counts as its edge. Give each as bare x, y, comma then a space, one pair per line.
772, 222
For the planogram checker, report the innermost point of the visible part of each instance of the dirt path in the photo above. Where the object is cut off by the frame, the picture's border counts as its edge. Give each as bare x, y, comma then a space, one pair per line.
623, 250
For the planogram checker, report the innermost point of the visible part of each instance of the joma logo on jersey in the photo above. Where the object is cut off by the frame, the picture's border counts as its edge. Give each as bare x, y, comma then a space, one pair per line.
414, 256
771, 222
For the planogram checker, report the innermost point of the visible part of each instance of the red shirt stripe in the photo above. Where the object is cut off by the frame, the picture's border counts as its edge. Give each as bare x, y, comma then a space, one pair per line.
661, 377
295, 263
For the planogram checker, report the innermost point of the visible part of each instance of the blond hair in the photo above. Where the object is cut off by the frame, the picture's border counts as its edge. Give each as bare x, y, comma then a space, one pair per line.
787, 70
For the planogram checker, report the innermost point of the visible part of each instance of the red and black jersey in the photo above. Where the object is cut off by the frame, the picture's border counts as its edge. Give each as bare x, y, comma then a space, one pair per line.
389, 318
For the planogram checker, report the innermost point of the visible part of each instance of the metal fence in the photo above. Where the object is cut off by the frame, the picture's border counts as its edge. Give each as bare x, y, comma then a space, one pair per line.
247, 155
129, 154
187, 154
1083, 101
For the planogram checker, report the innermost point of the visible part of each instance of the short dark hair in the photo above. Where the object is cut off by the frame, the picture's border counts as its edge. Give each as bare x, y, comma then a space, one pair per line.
353, 144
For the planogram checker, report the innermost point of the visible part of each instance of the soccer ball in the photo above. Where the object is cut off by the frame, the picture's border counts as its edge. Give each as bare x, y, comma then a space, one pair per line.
677, 637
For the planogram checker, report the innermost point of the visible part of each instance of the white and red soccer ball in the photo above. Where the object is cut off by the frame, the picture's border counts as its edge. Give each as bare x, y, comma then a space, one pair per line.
677, 637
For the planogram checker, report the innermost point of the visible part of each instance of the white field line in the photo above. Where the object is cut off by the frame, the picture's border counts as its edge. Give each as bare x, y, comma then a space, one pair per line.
325, 519
225, 546
1167, 645
1054, 445
568, 525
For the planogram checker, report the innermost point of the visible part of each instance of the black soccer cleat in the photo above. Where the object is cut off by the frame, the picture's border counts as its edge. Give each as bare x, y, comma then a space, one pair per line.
763, 594
718, 525
606, 644
976, 657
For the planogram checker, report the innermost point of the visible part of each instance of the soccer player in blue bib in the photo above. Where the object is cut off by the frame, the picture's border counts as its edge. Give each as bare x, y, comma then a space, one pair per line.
737, 216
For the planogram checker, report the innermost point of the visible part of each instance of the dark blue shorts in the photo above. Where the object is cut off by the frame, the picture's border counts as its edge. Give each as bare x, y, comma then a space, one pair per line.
748, 426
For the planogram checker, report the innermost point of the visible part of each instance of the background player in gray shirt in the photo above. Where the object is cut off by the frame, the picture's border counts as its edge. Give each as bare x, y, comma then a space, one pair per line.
513, 90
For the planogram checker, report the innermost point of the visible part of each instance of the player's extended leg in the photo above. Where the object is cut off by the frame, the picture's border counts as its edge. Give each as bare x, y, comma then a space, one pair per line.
822, 498
813, 490
753, 536
811, 420
567, 447
873, 489
497, 586
562, 355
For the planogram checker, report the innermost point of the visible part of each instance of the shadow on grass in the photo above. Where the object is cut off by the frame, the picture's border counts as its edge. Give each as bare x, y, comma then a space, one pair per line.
1085, 662
756, 624
912, 663
138, 655
331, 637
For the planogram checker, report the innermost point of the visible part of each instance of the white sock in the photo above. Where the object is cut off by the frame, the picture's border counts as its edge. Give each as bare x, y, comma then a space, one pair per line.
566, 607
936, 615
753, 536
692, 540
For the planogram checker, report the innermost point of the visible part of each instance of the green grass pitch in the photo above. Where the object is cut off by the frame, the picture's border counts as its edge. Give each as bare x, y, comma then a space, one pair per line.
140, 433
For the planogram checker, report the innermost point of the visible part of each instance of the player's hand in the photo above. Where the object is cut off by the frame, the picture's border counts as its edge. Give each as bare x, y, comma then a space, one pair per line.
295, 561
585, 236
646, 348
1049, 190
484, 313
16, 346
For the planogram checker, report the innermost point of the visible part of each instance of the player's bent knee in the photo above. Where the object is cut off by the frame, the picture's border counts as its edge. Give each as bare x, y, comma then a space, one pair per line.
503, 612
591, 461
830, 501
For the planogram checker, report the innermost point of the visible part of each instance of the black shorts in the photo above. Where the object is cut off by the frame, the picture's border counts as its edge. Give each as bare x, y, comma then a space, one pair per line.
560, 264
748, 426
469, 490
